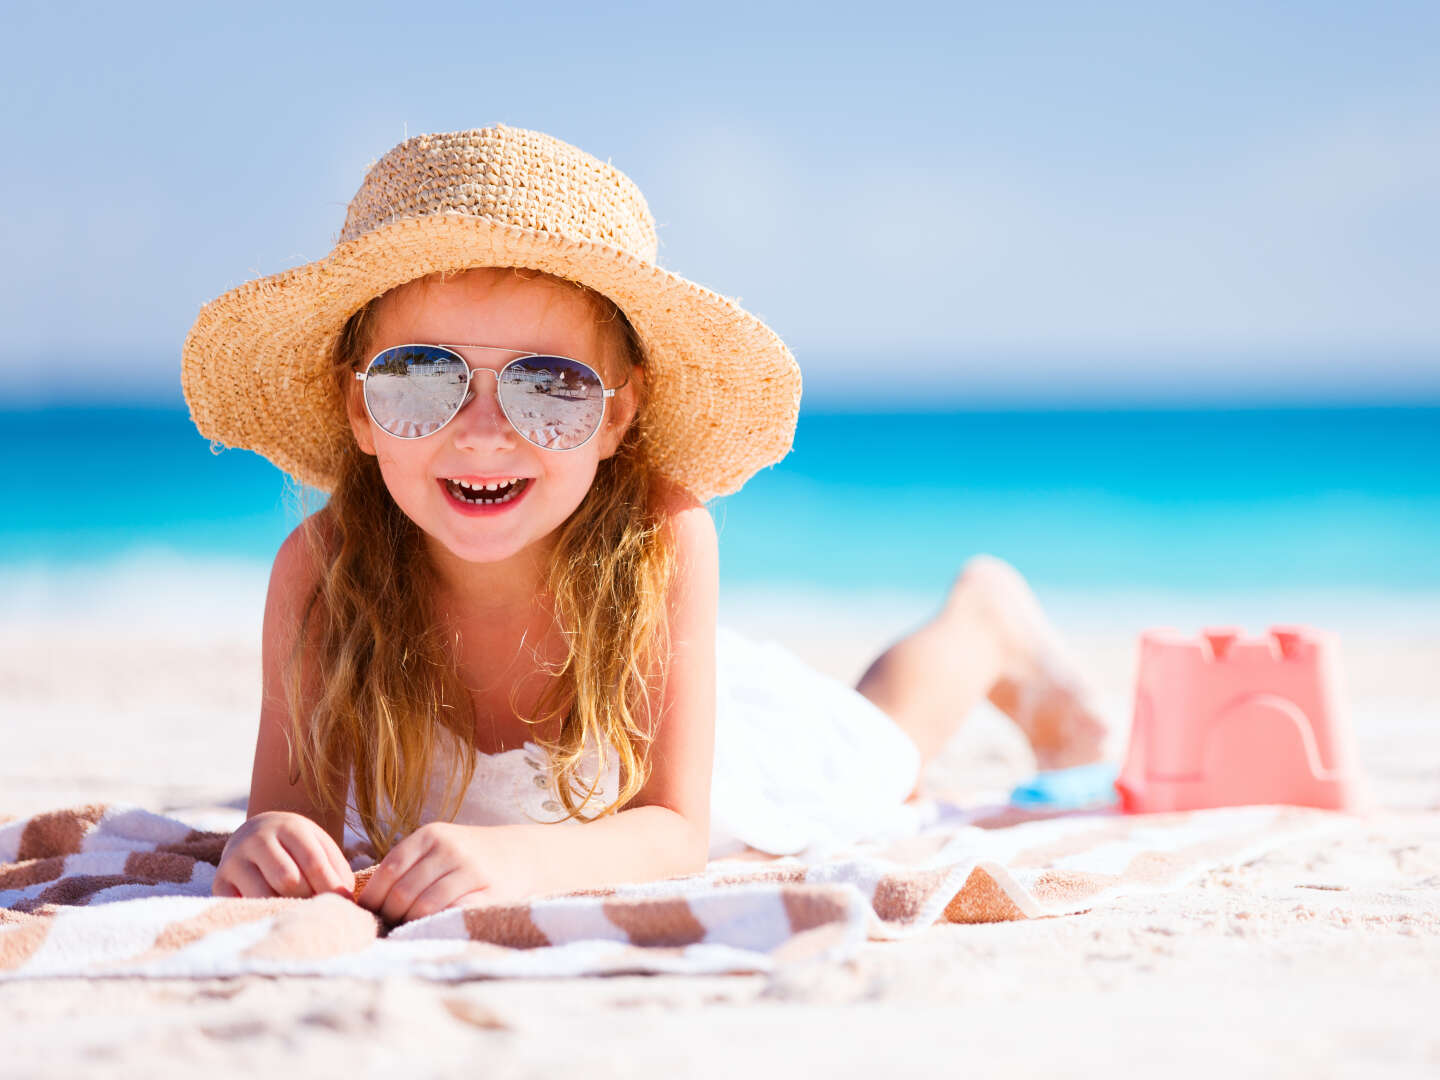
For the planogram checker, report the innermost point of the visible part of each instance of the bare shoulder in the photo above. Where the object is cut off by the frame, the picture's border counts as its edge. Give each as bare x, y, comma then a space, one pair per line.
297, 570
689, 526
308, 547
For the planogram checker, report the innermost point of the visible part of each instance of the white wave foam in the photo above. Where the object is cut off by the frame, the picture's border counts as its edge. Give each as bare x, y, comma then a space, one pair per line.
150, 589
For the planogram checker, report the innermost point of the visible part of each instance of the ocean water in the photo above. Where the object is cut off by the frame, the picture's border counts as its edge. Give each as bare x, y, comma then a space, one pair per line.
1231, 499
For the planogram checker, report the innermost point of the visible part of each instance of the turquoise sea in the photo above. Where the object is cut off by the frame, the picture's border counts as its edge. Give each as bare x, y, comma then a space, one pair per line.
1174, 499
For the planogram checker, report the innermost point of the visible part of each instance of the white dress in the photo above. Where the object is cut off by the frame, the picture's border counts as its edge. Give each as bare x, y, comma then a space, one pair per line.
801, 762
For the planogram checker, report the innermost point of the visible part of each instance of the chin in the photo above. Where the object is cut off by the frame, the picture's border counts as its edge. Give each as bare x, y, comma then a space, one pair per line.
492, 551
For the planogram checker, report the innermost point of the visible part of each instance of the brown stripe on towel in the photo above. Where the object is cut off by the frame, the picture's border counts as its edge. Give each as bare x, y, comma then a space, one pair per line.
811, 906
155, 866
19, 944
221, 915
204, 846
362, 878
74, 891
1064, 887
1162, 867
656, 922
22, 875
1152, 868
509, 925
1158, 867
316, 928
982, 899
58, 832
900, 896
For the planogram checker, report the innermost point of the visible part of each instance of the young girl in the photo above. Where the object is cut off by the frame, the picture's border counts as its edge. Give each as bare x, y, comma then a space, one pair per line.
504, 618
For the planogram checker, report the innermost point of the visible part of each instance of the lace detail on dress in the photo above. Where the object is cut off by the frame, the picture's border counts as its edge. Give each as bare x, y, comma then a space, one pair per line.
513, 787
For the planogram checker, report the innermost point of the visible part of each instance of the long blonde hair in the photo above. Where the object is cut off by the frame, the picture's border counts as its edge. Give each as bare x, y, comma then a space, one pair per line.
390, 684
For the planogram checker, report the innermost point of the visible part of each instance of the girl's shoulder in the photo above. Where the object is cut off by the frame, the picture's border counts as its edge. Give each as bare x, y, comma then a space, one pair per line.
685, 519
309, 547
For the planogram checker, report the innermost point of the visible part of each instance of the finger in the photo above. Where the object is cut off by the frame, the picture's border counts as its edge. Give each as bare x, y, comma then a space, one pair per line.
312, 861
280, 870
391, 868
441, 894
400, 903
245, 880
343, 873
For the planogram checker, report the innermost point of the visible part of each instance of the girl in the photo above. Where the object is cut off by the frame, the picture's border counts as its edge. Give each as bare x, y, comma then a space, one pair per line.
504, 618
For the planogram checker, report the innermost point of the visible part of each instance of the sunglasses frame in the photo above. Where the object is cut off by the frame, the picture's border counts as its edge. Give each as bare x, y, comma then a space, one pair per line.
606, 392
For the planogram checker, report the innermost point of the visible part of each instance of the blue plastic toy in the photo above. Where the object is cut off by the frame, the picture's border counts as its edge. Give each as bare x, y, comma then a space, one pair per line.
1078, 787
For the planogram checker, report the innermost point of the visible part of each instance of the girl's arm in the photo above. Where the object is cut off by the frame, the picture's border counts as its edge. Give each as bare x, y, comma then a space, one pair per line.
287, 845
665, 829
291, 580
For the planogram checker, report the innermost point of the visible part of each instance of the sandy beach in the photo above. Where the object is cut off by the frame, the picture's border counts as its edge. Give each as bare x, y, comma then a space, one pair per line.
1317, 960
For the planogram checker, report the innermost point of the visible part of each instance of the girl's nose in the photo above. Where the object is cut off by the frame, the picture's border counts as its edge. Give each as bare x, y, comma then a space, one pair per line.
480, 421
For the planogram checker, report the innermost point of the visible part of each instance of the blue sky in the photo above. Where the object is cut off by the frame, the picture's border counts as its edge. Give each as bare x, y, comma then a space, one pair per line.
1234, 201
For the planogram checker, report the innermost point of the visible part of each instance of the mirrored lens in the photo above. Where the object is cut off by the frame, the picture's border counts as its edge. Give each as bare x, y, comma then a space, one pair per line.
553, 401
413, 389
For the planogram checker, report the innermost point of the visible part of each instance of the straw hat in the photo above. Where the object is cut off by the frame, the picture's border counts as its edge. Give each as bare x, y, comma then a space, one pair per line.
724, 389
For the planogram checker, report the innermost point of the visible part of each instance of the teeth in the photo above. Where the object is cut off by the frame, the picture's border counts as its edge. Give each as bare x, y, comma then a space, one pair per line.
513, 484
486, 487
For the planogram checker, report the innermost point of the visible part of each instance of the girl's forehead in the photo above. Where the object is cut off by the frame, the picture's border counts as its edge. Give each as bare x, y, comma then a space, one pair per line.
490, 307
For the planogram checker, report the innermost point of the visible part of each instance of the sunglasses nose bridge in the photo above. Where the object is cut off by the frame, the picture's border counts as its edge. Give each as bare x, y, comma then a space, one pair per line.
470, 383
471, 391
497, 416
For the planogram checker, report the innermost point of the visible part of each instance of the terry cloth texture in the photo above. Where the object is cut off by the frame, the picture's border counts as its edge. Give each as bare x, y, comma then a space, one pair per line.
118, 890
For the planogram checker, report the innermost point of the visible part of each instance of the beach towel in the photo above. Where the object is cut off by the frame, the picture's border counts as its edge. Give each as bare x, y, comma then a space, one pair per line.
116, 889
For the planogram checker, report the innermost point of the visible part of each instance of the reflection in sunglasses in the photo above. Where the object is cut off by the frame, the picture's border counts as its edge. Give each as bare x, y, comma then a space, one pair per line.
553, 402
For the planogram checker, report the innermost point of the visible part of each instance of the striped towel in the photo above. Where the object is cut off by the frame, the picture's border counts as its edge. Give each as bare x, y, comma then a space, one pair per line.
118, 890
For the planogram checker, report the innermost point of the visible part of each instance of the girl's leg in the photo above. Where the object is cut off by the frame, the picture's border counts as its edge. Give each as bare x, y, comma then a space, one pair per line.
992, 640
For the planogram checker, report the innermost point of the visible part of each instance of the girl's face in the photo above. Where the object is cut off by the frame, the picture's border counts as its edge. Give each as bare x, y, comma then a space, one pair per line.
490, 307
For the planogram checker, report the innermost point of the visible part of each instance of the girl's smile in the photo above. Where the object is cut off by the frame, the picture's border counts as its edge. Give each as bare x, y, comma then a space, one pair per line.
480, 497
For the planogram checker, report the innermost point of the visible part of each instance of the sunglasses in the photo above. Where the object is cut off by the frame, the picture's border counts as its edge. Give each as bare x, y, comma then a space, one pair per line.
552, 402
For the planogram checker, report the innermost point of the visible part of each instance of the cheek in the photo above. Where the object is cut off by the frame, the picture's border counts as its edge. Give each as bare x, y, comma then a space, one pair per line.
405, 478
574, 481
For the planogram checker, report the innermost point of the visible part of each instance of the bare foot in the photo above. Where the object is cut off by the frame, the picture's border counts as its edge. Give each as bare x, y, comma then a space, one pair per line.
1041, 687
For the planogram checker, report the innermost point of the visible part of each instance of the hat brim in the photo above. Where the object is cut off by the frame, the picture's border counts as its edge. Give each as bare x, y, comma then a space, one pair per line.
724, 391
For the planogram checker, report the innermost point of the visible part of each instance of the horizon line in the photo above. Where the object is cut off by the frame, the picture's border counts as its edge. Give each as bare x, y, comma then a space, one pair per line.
827, 400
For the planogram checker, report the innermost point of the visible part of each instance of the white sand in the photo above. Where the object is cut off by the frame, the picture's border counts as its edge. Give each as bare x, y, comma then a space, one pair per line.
1321, 960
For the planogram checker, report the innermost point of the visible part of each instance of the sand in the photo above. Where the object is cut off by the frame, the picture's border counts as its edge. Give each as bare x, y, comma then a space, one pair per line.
1318, 960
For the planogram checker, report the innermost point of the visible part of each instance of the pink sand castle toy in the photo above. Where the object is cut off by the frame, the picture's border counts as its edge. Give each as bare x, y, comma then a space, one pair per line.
1226, 720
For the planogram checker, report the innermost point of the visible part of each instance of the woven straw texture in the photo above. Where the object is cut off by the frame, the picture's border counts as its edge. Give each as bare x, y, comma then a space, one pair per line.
724, 389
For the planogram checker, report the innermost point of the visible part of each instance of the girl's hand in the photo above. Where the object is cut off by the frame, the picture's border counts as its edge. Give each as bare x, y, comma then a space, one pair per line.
444, 865
282, 853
